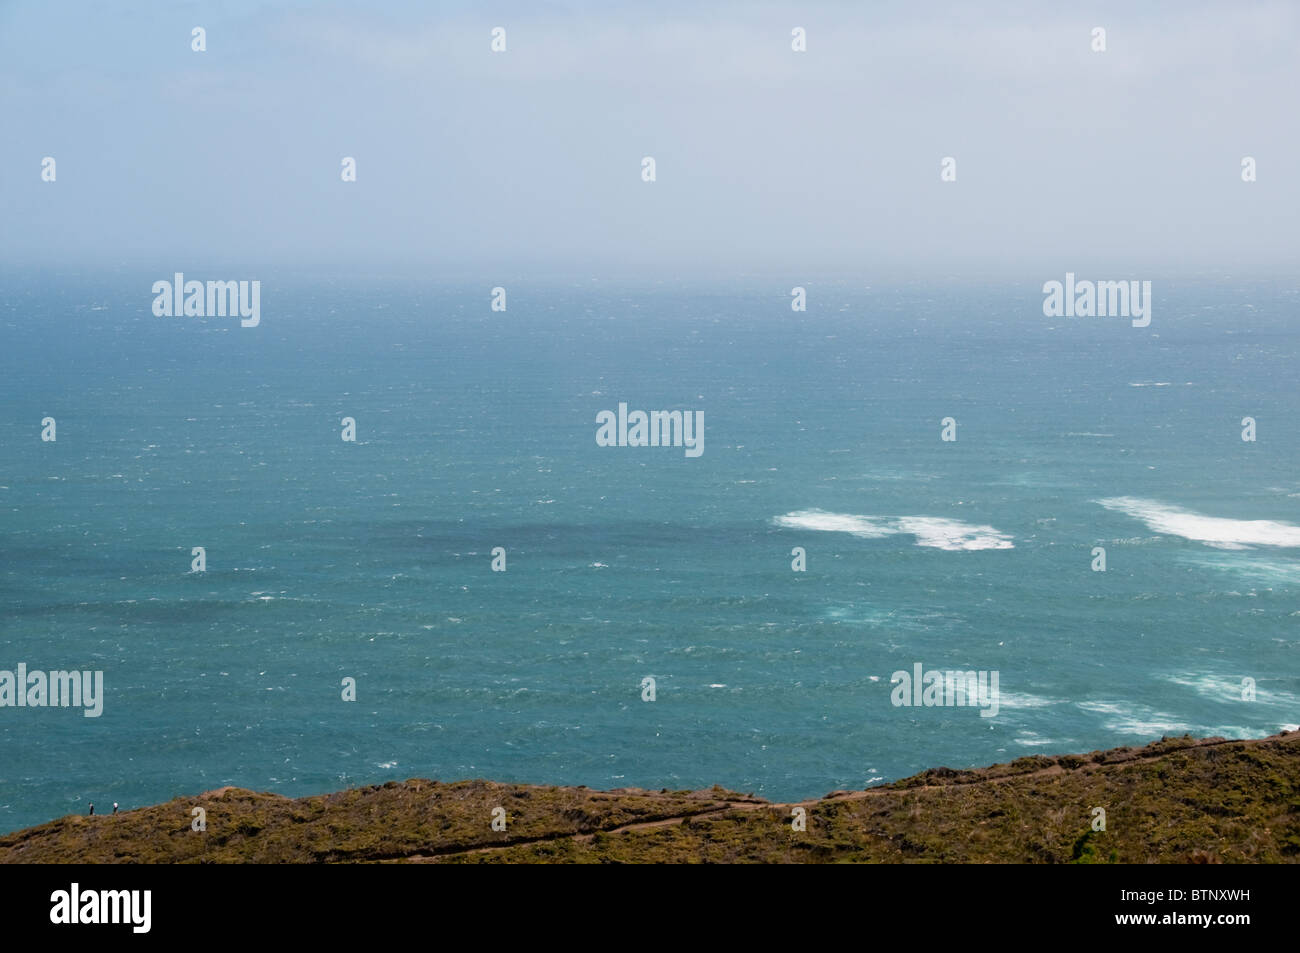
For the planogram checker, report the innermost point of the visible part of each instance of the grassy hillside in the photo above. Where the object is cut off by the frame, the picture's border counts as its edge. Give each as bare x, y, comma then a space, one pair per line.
1177, 800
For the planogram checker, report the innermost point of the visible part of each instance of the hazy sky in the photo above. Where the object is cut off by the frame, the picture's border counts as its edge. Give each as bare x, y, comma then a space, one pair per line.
768, 160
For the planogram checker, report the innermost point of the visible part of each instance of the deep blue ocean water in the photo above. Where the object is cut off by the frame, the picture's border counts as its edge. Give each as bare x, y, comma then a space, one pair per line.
476, 429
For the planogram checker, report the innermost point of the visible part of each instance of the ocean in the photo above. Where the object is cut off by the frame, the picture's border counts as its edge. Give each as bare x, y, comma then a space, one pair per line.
475, 429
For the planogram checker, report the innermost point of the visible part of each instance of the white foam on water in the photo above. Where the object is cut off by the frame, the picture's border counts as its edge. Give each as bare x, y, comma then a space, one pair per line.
935, 532
1032, 739
1024, 700
1228, 688
1135, 719
866, 527
952, 535
1263, 570
1214, 687
1148, 724
1214, 531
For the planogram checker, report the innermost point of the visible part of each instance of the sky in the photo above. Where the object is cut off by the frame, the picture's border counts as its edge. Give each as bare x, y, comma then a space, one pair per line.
1122, 163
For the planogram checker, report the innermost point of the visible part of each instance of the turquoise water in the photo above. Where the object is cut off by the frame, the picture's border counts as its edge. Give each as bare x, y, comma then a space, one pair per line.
476, 429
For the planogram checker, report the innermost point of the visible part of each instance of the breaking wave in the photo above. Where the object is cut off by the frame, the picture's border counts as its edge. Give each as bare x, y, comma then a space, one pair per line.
933, 531
1212, 530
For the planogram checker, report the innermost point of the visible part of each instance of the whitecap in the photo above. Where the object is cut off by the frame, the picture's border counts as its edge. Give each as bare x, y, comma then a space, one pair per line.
952, 535
1263, 570
1215, 687
933, 531
1135, 720
1216, 531
866, 527
1032, 740
1229, 688
1024, 700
